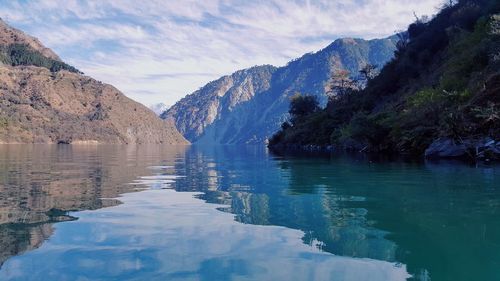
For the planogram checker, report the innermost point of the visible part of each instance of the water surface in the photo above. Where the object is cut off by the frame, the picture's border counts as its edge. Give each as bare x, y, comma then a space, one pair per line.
240, 213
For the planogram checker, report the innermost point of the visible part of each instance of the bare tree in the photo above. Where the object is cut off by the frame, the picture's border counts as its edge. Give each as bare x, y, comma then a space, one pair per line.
368, 72
339, 84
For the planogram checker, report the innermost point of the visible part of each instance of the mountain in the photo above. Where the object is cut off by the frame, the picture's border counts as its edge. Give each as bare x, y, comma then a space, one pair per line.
158, 108
10, 36
439, 96
249, 105
44, 100
220, 99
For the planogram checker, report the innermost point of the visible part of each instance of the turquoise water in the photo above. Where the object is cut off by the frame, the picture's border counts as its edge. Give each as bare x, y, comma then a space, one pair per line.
241, 213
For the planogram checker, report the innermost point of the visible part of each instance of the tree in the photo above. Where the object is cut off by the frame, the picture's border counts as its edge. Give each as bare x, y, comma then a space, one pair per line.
448, 4
403, 40
368, 72
302, 105
21, 54
340, 84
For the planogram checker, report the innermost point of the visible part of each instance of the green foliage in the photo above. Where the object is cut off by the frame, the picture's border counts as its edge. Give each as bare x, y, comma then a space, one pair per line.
487, 118
467, 55
314, 129
302, 106
361, 127
424, 97
4, 122
4, 57
18, 54
444, 81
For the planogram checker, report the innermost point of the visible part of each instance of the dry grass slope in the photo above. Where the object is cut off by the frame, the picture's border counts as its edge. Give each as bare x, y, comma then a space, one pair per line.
42, 106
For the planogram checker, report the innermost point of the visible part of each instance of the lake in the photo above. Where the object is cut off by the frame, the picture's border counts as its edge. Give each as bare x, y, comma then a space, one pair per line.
242, 213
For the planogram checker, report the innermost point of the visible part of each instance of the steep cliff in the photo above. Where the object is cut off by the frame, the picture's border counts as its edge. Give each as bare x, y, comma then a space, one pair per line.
249, 105
218, 100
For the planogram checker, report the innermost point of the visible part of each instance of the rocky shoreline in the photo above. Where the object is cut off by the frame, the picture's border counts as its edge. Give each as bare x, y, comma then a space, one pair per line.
484, 149
480, 150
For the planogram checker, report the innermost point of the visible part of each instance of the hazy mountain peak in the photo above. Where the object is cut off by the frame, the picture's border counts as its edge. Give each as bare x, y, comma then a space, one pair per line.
158, 108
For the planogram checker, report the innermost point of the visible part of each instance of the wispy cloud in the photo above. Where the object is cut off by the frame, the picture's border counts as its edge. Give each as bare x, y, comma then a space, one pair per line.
168, 49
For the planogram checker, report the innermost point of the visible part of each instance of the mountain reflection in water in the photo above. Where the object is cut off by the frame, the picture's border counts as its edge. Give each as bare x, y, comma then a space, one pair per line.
378, 219
41, 184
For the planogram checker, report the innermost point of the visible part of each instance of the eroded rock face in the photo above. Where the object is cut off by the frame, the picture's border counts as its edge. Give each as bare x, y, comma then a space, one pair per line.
250, 105
38, 105
218, 99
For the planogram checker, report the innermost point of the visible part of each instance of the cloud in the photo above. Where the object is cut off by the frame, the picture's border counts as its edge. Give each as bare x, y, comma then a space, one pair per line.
170, 48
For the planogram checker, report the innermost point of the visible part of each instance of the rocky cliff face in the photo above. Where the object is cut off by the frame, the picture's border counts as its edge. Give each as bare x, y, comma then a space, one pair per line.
218, 100
249, 105
40, 105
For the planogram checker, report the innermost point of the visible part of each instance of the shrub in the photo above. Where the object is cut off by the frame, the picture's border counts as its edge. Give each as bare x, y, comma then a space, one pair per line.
424, 97
301, 106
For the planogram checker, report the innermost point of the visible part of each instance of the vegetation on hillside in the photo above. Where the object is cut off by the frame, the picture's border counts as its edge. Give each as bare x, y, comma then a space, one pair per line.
444, 81
19, 54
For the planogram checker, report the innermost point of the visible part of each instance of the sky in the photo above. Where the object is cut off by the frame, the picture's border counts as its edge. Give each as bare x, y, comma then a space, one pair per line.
161, 50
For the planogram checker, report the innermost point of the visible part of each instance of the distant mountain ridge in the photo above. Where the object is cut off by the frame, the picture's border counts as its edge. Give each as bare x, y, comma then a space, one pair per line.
249, 105
44, 100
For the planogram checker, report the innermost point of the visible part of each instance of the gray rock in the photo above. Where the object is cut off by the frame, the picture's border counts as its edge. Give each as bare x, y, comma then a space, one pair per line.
488, 149
446, 148
482, 149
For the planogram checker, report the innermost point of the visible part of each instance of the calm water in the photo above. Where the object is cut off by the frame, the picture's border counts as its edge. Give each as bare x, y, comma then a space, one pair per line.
240, 213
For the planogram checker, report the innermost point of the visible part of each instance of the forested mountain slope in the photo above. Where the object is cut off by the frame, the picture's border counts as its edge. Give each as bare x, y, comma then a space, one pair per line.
439, 95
